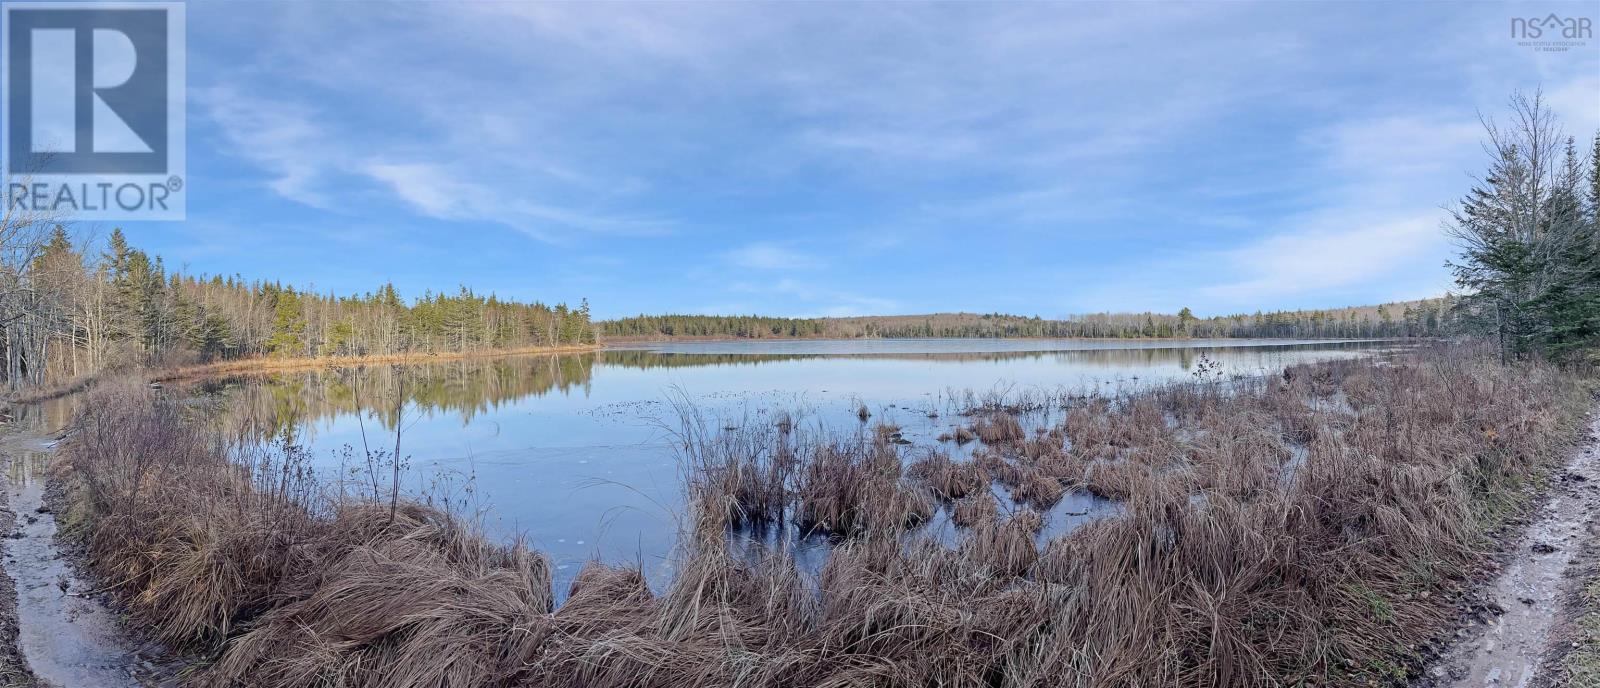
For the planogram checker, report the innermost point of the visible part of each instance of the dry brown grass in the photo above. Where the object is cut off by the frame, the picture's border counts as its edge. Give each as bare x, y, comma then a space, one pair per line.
854, 488
975, 509
1039, 489
1270, 532
949, 479
1005, 547
999, 428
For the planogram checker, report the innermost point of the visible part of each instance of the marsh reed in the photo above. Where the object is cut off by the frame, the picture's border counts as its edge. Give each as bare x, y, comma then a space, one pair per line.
1309, 528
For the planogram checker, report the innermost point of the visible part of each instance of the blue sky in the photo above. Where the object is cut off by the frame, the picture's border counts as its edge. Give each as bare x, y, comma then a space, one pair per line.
836, 159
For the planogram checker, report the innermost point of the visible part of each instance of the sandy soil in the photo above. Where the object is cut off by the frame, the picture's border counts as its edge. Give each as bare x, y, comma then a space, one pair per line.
1512, 643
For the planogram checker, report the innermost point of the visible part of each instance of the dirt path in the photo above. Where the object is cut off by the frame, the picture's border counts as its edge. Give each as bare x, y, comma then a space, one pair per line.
68, 639
1509, 650
14, 672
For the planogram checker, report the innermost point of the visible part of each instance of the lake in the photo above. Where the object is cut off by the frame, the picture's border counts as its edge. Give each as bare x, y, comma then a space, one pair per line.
578, 453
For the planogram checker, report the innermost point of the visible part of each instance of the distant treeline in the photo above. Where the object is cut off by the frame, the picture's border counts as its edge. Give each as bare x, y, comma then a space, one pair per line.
69, 314
1424, 318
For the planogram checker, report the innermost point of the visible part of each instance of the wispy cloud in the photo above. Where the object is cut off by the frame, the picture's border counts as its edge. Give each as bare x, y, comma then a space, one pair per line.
311, 158
767, 255
282, 140
1297, 264
441, 194
804, 299
991, 155
1372, 226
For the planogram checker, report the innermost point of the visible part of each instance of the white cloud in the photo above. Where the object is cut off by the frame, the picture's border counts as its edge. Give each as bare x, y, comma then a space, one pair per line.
315, 165
1222, 126
1318, 261
440, 193
280, 139
768, 255
1371, 231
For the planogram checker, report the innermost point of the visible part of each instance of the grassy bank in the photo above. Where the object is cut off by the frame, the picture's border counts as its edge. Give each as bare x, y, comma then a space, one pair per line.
1581, 665
1308, 529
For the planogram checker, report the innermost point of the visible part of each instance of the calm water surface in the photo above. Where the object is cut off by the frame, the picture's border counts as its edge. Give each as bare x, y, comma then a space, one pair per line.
577, 452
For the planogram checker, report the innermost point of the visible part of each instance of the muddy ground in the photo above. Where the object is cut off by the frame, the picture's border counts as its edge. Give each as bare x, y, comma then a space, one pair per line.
13, 668
1574, 656
56, 630
1518, 626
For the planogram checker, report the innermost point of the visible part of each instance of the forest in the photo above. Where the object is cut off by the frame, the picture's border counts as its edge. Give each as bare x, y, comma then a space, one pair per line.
1423, 318
69, 313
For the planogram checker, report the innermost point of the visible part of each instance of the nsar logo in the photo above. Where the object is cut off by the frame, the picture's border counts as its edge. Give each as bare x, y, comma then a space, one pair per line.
1552, 33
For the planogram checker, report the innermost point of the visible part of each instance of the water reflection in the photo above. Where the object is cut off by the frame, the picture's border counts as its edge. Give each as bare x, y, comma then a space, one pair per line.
576, 453
274, 404
279, 404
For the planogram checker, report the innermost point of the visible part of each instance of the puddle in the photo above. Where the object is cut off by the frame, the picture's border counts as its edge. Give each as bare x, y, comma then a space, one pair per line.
69, 640
1298, 455
1075, 510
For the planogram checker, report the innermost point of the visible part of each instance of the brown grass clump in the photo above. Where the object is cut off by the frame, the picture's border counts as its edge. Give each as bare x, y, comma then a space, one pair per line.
1004, 547
998, 468
249, 560
1270, 532
400, 612
1039, 489
849, 489
999, 428
1113, 480
1045, 445
949, 479
974, 509
960, 435
745, 475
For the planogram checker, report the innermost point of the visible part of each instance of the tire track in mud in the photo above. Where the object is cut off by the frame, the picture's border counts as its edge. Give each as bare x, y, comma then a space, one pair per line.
1509, 650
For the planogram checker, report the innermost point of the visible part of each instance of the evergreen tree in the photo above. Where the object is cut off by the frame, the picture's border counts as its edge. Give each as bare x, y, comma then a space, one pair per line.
1185, 320
288, 327
1528, 240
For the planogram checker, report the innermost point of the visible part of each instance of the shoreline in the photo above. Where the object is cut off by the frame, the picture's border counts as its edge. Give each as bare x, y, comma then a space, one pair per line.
267, 366
609, 341
1511, 626
262, 366
14, 669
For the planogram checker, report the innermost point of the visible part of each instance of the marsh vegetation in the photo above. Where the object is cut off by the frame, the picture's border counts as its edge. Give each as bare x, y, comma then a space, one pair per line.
1312, 527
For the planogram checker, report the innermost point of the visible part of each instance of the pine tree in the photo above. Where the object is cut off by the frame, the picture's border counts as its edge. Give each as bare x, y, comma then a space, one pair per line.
288, 327
1569, 305
1528, 240
1185, 320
